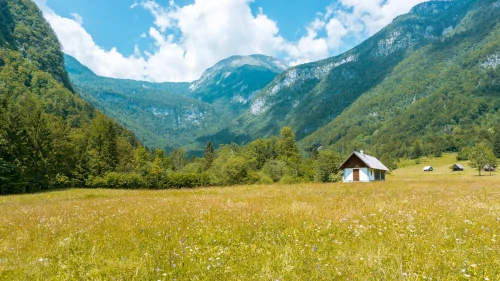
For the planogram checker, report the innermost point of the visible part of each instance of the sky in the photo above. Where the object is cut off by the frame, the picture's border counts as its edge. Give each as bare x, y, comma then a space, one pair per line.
176, 40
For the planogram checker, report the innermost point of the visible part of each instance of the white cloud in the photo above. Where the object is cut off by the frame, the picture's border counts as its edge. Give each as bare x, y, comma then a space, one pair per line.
210, 30
77, 18
362, 18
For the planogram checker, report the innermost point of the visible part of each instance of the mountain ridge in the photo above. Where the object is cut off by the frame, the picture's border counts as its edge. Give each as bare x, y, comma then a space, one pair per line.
311, 95
315, 98
169, 110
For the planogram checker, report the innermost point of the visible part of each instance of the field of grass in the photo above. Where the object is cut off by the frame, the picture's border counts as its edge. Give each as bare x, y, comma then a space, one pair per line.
415, 226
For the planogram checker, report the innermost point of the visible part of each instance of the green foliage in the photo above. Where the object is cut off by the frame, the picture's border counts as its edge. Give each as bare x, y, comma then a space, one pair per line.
327, 167
24, 29
286, 147
481, 157
209, 155
389, 161
230, 170
496, 143
49, 138
103, 147
275, 169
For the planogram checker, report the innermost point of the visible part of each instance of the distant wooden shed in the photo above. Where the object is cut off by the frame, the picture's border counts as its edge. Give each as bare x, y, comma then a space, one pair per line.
428, 169
489, 168
458, 168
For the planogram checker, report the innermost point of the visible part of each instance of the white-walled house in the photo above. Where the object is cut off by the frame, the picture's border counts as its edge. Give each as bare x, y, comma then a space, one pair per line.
359, 167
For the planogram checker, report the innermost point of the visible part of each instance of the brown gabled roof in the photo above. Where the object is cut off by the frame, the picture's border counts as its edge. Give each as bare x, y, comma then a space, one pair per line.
370, 161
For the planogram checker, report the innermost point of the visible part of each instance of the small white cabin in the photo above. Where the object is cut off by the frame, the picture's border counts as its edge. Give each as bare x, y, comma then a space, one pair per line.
359, 167
428, 169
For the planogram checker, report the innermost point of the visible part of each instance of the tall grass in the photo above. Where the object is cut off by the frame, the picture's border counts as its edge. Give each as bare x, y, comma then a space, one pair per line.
398, 230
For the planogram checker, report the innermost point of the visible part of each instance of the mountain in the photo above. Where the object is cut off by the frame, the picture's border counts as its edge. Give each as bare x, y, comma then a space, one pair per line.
21, 24
443, 97
49, 137
236, 79
171, 115
308, 97
426, 83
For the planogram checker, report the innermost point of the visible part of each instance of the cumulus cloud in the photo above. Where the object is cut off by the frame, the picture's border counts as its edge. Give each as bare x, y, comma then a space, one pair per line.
189, 39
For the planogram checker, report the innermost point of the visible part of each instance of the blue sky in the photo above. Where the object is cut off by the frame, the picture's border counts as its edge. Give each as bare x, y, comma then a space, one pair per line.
112, 23
176, 40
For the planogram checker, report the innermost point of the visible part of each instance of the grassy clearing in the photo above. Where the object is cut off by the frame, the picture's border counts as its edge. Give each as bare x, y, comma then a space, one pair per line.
436, 226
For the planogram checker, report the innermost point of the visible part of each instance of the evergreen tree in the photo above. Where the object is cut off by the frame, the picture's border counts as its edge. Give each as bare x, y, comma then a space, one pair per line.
177, 159
286, 144
141, 161
159, 164
496, 144
209, 155
103, 147
388, 161
416, 151
38, 146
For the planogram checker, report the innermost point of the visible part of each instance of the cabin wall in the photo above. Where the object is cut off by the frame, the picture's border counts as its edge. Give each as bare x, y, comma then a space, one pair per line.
371, 175
364, 175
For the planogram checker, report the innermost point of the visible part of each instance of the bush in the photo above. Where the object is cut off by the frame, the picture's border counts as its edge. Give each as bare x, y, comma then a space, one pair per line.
117, 180
265, 179
336, 177
287, 179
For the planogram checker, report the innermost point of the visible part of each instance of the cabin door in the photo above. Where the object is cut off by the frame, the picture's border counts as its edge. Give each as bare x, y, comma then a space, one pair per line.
356, 175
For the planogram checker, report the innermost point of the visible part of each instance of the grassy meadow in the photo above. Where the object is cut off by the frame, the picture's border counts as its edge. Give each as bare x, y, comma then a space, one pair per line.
414, 226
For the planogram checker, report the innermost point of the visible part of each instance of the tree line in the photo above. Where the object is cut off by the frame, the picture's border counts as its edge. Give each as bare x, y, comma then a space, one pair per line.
263, 161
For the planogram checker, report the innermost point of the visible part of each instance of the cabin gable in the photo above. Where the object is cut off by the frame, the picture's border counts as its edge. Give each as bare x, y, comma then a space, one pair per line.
354, 162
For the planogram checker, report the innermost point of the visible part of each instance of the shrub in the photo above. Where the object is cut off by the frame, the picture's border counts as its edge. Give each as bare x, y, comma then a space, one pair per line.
287, 179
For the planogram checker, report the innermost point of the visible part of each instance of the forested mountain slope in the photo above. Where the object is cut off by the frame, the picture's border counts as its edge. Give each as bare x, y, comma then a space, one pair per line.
49, 137
171, 115
309, 96
22, 24
444, 97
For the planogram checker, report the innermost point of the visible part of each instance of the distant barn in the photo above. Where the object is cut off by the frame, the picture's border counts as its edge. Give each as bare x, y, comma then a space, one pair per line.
489, 168
428, 169
359, 167
458, 168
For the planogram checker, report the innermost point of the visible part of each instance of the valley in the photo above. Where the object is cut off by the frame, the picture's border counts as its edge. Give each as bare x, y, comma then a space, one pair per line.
239, 175
429, 77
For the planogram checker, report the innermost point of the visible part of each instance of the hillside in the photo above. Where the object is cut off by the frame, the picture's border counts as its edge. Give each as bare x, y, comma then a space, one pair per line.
308, 97
171, 115
49, 137
22, 24
443, 97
